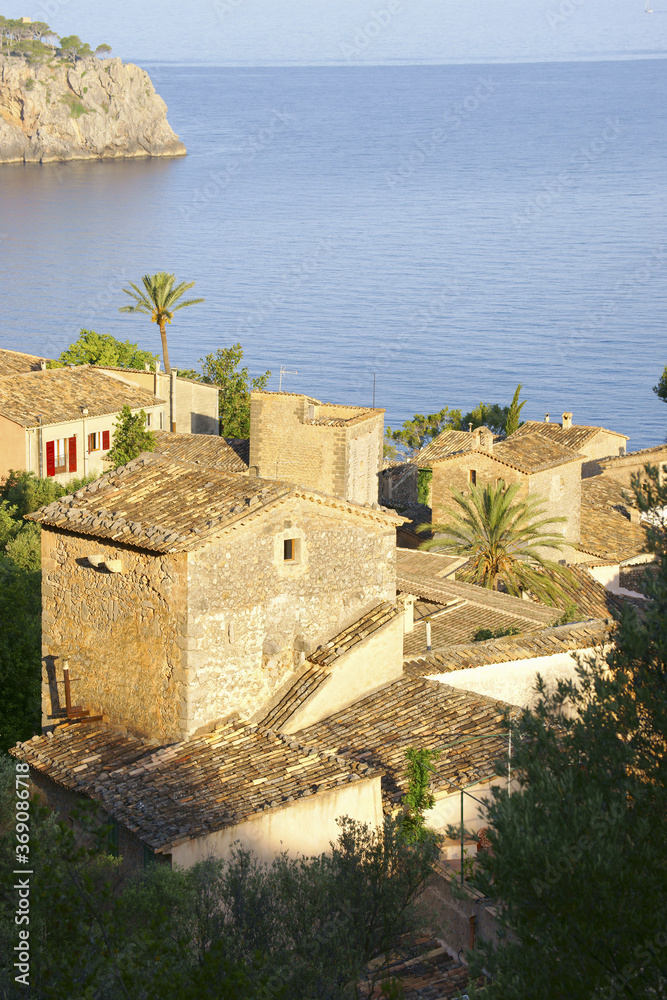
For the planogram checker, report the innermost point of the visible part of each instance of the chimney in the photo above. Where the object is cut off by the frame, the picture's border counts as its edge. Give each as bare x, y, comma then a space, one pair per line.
483, 438
157, 365
42, 365
567, 421
546, 418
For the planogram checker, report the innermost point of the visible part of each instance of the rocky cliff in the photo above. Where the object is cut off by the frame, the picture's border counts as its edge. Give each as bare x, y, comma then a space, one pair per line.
88, 110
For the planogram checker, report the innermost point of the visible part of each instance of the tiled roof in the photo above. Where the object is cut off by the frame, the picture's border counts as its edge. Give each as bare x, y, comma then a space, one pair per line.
573, 437
169, 794
434, 975
644, 454
601, 491
329, 414
206, 450
298, 693
547, 642
590, 597
373, 620
447, 443
58, 394
15, 363
529, 453
609, 535
321, 661
414, 712
151, 371
427, 565
533, 453
163, 505
459, 623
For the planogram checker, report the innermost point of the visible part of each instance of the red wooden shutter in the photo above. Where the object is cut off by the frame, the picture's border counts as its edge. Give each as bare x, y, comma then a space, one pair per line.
50, 458
105, 441
72, 454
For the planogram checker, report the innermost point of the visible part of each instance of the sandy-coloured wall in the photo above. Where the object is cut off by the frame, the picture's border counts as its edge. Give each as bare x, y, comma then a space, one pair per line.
560, 490
306, 826
252, 617
341, 460
623, 469
123, 634
13, 447
191, 406
455, 474
368, 666
514, 682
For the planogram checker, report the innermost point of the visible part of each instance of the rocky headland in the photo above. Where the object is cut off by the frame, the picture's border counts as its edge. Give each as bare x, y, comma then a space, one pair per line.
91, 109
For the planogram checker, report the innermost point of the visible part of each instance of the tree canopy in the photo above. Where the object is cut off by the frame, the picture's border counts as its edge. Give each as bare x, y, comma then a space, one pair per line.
661, 388
159, 299
418, 432
37, 42
130, 437
93, 348
577, 859
221, 368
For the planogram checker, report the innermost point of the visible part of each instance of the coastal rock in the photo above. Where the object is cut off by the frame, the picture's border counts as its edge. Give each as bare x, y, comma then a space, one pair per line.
93, 109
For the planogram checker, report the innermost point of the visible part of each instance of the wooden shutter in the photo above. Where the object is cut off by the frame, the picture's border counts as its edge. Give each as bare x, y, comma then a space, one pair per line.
90, 443
50, 458
105, 441
72, 454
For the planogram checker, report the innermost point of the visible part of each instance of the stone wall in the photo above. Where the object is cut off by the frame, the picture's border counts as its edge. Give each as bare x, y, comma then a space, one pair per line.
560, 489
341, 460
621, 470
124, 634
253, 617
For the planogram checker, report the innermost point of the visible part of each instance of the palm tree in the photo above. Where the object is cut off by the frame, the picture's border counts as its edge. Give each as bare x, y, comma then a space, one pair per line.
158, 300
504, 540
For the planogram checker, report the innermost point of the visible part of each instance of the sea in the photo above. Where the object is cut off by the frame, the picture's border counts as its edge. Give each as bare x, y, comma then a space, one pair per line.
413, 236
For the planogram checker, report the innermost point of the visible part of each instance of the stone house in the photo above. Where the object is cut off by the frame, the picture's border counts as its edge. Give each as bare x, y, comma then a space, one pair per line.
332, 448
59, 422
17, 363
192, 406
622, 468
594, 443
184, 801
205, 450
178, 595
543, 468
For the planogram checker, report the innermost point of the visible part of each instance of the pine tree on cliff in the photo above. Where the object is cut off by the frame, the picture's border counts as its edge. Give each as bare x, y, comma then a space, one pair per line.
159, 300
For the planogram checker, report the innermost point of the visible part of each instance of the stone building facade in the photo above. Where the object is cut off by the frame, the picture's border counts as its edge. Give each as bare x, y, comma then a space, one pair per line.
593, 442
179, 595
332, 448
542, 468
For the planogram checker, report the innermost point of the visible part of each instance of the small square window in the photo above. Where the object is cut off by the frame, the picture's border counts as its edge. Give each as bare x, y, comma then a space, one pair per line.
472, 477
289, 549
94, 441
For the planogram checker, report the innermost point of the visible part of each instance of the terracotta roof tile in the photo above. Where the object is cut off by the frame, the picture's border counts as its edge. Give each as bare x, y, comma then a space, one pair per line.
547, 642
162, 505
606, 530
58, 394
183, 791
341, 643
529, 453
15, 363
573, 437
208, 450
414, 711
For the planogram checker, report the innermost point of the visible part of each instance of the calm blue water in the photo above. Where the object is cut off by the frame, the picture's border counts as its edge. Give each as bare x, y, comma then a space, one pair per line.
452, 229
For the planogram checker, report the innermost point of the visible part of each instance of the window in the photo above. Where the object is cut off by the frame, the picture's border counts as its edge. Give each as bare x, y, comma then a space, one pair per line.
94, 441
150, 857
500, 482
149, 420
161, 420
106, 444
290, 549
472, 477
61, 456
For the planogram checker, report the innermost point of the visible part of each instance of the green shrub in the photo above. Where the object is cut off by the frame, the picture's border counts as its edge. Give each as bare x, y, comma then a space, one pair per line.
424, 477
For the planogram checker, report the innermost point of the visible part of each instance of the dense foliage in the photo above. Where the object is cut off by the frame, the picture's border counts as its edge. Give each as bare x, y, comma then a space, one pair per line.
416, 433
235, 384
93, 348
296, 929
130, 437
579, 853
661, 388
37, 42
